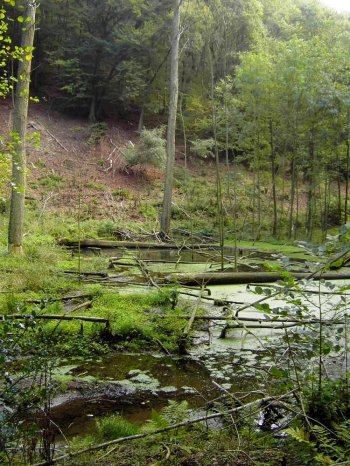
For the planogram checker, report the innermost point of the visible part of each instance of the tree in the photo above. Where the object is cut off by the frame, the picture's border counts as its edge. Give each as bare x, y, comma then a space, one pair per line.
5, 84
19, 130
171, 130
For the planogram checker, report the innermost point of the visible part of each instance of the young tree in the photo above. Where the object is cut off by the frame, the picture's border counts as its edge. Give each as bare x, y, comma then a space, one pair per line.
19, 130
174, 91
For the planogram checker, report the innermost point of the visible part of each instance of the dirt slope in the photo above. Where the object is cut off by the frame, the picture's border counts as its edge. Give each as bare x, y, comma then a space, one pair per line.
68, 162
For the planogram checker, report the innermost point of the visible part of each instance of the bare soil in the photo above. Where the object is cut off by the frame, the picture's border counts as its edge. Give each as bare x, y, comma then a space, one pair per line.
67, 165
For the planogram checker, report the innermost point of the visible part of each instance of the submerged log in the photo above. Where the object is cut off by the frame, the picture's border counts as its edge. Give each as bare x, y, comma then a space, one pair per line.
231, 278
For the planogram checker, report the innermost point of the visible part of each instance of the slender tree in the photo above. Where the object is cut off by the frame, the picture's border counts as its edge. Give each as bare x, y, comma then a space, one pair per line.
174, 92
15, 233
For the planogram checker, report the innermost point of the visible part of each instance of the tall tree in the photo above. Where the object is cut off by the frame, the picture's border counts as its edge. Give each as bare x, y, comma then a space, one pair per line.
19, 130
174, 92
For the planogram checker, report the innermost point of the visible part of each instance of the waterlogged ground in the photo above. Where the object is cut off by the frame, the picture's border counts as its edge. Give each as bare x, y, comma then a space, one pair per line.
241, 363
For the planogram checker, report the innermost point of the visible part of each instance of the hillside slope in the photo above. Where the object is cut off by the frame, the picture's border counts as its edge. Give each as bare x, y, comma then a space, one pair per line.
76, 157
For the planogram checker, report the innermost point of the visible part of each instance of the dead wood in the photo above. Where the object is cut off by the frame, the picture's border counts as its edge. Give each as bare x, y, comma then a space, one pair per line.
86, 305
103, 243
261, 320
87, 274
222, 278
63, 298
54, 317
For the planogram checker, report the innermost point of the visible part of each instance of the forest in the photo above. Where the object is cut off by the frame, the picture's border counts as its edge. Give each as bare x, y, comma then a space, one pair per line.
174, 233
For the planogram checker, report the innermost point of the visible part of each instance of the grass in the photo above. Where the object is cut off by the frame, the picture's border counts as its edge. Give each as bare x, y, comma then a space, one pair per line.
115, 426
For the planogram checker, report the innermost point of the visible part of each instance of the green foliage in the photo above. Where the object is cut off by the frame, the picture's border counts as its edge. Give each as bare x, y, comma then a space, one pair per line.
97, 132
174, 413
113, 427
122, 193
24, 389
150, 150
50, 181
329, 446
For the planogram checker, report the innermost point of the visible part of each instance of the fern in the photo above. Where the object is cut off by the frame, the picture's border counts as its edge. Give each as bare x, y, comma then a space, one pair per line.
330, 447
174, 413
300, 435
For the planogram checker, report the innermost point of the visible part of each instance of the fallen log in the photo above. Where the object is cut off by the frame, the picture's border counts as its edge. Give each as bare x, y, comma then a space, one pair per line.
87, 274
116, 261
232, 278
104, 243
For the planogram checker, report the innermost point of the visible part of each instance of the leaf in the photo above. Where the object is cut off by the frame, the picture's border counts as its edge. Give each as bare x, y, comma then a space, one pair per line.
278, 373
20, 19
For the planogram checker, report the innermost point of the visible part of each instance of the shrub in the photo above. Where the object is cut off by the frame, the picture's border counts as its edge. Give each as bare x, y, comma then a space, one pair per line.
97, 131
150, 150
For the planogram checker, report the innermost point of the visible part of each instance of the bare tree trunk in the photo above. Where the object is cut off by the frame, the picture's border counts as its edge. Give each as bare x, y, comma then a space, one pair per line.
219, 201
310, 214
273, 179
184, 135
347, 169
19, 129
174, 91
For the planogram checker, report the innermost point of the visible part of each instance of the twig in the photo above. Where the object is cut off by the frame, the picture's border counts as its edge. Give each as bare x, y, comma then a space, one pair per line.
53, 137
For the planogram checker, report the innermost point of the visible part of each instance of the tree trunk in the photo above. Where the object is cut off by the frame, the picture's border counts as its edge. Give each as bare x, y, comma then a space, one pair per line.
310, 214
292, 196
220, 211
347, 169
273, 179
174, 91
19, 129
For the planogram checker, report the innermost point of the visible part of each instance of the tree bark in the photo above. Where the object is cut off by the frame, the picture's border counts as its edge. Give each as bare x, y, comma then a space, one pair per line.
174, 91
19, 129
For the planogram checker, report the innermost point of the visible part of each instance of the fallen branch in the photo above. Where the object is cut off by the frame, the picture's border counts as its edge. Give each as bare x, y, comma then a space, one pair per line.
81, 306
53, 137
257, 319
53, 317
146, 273
162, 347
261, 401
63, 298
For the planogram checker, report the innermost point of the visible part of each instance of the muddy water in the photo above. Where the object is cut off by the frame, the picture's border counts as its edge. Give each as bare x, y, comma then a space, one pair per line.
131, 385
